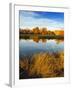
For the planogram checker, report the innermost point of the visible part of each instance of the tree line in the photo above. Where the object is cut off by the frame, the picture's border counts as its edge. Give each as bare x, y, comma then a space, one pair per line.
36, 30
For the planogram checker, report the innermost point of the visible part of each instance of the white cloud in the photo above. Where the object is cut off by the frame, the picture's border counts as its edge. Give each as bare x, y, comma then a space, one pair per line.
28, 21
28, 14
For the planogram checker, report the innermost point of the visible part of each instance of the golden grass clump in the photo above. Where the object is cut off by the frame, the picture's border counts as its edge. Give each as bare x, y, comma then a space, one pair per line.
44, 65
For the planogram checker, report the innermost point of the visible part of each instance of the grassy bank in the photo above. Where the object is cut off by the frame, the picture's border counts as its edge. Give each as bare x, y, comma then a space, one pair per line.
31, 36
42, 65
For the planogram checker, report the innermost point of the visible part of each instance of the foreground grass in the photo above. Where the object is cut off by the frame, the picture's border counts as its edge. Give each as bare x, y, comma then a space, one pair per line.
42, 65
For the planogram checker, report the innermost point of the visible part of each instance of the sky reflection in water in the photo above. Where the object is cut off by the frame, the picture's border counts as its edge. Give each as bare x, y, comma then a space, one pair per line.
29, 47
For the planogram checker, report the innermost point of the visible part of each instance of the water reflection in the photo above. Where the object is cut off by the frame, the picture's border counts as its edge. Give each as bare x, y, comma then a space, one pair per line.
31, 46
37, 40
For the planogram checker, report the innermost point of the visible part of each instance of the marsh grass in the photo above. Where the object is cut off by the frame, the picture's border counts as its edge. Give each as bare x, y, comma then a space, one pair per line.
42, 65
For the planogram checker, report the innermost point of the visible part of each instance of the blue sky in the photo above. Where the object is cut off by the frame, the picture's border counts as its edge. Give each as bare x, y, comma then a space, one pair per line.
50, 20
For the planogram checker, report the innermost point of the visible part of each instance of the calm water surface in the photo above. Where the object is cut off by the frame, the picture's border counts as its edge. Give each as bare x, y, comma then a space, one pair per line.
29, 47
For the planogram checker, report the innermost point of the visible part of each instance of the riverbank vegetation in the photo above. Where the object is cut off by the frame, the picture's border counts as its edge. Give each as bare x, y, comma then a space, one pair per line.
42, 65
42, 33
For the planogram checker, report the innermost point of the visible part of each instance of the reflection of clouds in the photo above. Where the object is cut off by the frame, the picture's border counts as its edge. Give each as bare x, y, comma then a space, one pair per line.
59, 41
53, 46
49, 46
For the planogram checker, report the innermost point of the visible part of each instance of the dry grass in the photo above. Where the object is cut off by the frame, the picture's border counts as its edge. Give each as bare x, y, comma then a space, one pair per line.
44, 65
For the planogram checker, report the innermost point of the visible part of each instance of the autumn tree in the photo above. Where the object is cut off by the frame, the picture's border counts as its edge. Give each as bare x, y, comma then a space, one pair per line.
51, 33
59, 32
36, 30
44, 31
